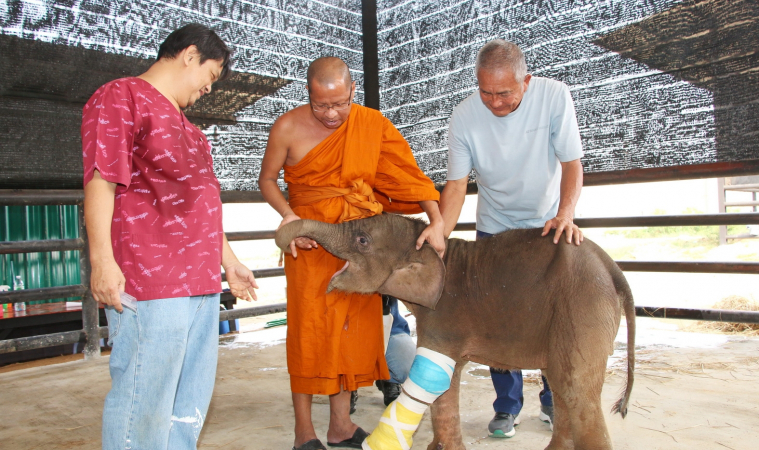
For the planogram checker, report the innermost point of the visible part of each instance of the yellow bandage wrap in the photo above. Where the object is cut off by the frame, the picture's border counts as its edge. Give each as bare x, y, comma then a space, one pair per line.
397, 425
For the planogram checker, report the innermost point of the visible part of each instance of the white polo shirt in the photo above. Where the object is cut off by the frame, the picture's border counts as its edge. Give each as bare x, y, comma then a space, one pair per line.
516, 158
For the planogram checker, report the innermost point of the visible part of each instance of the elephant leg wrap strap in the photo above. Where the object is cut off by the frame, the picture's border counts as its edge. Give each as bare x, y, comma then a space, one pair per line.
430, 375
429, 378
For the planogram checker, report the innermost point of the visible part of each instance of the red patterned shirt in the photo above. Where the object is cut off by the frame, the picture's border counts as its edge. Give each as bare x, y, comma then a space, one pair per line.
166, 230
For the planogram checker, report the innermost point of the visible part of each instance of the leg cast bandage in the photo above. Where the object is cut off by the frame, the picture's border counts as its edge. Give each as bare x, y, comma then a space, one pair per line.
429, 378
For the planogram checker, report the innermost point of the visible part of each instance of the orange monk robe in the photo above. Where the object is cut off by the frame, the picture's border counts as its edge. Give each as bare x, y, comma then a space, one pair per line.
336, 340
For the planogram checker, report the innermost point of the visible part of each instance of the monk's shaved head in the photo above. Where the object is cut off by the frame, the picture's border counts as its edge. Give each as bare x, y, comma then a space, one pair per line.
328, 70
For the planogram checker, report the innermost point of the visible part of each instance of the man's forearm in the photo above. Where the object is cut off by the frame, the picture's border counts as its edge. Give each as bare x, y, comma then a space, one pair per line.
98, 214
451, 202
228, 257
239, 278
431, 208
433, 234
274, 197
106, 279
571, 185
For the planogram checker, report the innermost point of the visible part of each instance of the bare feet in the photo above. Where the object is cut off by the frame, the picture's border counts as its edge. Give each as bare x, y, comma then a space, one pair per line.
341, 434
304, 429
301, 439
340, 425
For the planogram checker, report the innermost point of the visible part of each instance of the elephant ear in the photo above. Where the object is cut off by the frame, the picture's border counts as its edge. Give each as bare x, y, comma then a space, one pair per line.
420, 280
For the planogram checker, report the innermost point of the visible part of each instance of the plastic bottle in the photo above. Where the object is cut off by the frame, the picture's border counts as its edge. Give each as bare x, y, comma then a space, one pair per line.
5, 306
18, 284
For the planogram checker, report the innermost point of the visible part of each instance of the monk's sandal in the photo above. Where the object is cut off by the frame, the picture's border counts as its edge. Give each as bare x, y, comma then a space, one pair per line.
313, 444
354, 442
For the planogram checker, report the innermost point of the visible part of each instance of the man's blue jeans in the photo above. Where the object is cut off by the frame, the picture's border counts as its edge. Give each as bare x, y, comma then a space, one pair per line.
509, 384
163, 366
401, 350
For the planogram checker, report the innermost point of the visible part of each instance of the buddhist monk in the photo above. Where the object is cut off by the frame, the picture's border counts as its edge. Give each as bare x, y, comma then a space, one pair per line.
342, 162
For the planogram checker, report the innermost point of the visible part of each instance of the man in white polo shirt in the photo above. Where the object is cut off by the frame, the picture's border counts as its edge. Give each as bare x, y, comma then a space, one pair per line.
519, 133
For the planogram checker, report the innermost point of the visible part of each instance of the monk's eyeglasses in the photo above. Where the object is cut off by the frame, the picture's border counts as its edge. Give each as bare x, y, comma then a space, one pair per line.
337, 106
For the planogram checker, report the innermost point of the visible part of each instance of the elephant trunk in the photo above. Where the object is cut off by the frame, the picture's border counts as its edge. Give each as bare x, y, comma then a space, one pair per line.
323, 233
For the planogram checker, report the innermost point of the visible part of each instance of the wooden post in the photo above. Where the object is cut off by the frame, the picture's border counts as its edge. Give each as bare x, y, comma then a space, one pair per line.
371, 53
721, 209
90, 313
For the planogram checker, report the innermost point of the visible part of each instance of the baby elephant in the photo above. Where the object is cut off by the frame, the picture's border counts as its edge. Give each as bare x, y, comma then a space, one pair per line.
513, 301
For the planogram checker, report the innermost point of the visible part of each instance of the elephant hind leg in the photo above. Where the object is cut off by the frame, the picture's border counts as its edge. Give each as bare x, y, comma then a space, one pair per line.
590, 430
579, 413
562, 427
446, 421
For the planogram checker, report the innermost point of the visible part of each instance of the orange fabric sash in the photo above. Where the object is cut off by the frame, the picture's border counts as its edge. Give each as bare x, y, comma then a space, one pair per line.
360, 201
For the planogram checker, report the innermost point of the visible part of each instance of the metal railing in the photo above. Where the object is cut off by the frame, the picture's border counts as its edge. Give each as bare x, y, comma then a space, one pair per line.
723, 204
91, 333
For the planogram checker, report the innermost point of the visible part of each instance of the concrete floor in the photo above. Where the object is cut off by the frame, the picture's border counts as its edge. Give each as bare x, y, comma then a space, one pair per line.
684, 398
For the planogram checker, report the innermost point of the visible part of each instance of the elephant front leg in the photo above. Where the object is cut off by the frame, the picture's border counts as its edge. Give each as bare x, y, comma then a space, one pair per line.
446, 422
429, 378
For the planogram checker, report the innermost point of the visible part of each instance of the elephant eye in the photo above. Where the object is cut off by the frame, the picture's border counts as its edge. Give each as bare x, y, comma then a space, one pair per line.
362, 240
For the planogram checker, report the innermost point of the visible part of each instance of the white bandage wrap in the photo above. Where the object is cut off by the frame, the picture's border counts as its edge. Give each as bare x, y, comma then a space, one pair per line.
411, 404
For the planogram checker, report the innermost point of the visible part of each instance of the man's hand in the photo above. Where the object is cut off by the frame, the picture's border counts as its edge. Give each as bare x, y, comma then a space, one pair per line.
566, 225
302, 242
241, 282
434, 235
106, 282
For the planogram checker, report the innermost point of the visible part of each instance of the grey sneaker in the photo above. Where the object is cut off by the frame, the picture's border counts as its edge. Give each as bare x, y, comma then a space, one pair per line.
502, 425
546, 415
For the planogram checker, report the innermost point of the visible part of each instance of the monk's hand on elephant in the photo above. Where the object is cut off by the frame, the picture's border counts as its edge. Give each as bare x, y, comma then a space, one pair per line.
302, 242
241, 281
563, 224
434, 235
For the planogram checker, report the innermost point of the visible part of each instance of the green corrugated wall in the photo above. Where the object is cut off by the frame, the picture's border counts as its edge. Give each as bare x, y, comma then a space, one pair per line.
22, 223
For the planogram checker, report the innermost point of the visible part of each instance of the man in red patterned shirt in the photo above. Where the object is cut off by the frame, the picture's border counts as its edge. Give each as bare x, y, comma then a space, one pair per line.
153, 216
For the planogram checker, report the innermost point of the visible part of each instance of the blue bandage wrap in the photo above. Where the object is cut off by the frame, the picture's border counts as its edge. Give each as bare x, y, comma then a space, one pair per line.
430, 375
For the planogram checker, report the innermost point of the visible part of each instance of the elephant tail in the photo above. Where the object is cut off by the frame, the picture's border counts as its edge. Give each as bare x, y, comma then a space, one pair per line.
628, 306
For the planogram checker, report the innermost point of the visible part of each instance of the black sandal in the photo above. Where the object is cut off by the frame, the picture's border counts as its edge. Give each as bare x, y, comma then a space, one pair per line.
355, 442
313, 444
